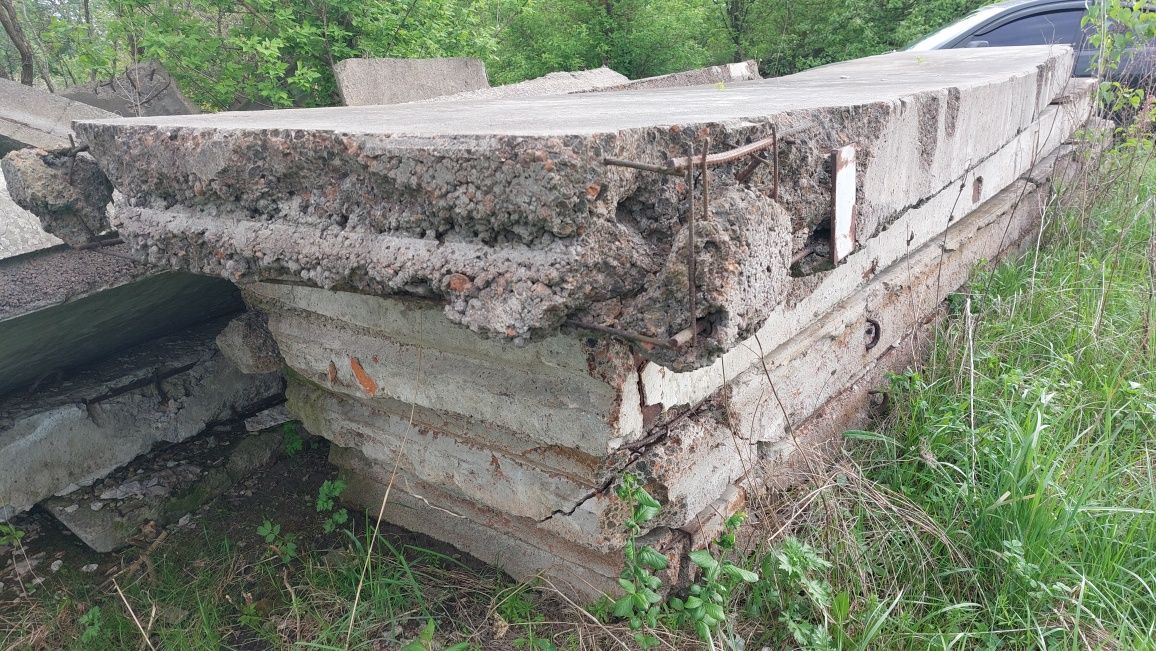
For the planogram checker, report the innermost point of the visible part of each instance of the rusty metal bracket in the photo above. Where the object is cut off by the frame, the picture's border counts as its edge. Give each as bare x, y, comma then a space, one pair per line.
874, 333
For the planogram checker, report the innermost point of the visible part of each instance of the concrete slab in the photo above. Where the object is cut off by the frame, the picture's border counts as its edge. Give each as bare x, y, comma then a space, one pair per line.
815, 294
504, 210
63, 308
31, 117
364, 82
143, 89
555, 83
712, 75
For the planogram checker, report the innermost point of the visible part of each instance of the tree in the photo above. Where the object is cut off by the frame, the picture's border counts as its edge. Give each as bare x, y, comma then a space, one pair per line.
19, 41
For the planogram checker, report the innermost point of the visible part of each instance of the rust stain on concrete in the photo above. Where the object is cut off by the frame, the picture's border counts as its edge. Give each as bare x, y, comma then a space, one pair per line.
368, 385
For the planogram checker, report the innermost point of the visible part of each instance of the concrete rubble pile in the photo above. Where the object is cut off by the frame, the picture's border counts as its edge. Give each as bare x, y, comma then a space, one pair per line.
102, 357
520, 299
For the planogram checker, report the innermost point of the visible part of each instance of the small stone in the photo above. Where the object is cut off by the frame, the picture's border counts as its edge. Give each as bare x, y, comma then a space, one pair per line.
87, 569
96, 506
72, 508
185, 519
56, 565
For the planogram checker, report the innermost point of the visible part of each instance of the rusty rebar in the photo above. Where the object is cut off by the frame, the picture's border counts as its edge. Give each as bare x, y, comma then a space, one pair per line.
775, 146
645, 167
722, 157
625, 334
693, 254
690, 258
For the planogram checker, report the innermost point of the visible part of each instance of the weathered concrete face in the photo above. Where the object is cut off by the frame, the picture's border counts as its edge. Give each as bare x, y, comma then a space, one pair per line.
505, 211
365, 82
30, 117
143, 89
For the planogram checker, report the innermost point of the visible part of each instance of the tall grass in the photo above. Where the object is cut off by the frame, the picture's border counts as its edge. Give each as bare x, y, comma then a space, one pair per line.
1010, 500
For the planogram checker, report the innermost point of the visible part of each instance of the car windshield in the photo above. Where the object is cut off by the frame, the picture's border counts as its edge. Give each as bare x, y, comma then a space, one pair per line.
955, 30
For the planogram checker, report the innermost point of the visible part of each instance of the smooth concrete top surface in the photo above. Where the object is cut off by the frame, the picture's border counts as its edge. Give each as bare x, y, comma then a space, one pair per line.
880, 78
37, 118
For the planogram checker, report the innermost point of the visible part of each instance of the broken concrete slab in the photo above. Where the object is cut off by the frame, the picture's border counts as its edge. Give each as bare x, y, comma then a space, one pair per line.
31, 117
74, 430
268, 419
20, 230
65, 189
554, 83
143, 89
725, 446
722, 74
553, 226
363, 82
63, 308
505, 210
160, 488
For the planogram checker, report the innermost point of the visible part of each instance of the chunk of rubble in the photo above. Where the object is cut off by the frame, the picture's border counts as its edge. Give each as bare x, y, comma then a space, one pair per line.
506, 211
31, 117
161, 488
143, 89
247, 343
65, 189
363, 82
74, 429
20, 230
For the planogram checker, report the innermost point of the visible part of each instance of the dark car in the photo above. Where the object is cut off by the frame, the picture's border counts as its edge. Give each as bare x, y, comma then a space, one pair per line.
1041, 22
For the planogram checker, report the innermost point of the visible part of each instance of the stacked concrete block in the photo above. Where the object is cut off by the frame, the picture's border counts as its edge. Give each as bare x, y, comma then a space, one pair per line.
488, 305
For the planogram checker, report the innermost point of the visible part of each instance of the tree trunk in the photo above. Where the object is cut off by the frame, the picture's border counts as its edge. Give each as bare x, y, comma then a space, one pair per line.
16, 35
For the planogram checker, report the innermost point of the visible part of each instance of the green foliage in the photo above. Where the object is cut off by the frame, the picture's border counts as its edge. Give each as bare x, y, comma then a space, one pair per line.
327, 495
284, 545
10, 534
641, 602
291, 440
281, 52
708, 599
1009, 501
516, 607
794, 591
91, 621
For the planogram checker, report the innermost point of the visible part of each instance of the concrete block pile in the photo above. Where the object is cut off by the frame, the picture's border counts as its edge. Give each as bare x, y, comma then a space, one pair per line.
518, 300
103, 358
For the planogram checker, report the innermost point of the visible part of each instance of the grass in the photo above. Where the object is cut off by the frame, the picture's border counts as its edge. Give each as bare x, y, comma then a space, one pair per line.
1008, 502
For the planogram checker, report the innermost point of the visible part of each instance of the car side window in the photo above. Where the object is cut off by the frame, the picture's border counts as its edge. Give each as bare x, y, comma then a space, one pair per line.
1040, 29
